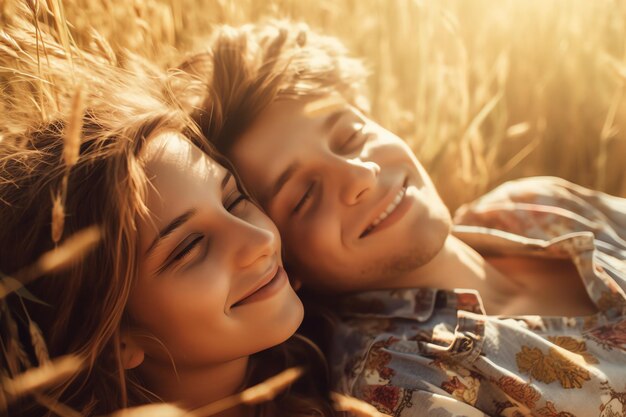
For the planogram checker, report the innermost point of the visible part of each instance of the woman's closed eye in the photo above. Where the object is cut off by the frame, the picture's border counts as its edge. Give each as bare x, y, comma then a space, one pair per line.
188, 247
234, 197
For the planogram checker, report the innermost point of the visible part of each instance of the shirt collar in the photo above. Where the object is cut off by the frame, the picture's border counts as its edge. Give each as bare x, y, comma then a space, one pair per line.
408, 303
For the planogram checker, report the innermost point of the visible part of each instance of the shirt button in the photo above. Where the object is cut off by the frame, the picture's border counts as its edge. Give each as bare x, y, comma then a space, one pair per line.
466, 344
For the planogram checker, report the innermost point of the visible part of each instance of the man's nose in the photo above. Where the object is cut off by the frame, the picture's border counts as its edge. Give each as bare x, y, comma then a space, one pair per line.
357, 179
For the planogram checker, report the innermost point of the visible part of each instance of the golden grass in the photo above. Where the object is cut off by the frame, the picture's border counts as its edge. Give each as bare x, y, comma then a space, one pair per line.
71, 146
71, 151
44, 375
48, 372
355, 407
39, 343
71, 251
62, 257
265, 391
152, 410
58, 216
483, 90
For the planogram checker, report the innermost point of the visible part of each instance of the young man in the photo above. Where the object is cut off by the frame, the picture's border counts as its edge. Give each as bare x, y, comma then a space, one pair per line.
517, 308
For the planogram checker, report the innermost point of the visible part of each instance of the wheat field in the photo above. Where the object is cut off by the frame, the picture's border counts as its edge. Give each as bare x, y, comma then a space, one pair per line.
483, 90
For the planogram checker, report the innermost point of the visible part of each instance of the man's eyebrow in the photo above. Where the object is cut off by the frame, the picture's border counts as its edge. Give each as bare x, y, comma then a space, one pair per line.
328, 123
173, 225
333, 118
282, 179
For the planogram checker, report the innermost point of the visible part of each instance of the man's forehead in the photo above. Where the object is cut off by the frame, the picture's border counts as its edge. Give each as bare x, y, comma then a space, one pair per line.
274, 137
286, 118
282, 115
278, 143
285, 124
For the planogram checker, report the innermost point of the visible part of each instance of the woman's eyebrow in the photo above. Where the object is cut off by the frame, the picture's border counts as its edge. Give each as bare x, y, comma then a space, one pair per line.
226, 178
173, 225
180, 220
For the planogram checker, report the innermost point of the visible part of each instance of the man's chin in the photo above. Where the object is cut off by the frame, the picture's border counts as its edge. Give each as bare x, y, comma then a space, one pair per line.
380, 270
396, 266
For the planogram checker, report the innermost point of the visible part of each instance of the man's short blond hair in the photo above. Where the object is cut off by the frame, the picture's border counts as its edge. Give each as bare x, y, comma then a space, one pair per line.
248, 67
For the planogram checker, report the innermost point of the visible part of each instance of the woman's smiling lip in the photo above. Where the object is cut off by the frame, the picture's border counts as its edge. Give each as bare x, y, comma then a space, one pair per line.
265, 288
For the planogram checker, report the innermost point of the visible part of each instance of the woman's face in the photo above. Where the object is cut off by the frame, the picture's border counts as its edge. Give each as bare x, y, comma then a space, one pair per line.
211, 286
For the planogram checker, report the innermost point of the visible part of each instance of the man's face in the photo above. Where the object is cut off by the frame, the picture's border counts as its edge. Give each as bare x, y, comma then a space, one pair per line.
355, 208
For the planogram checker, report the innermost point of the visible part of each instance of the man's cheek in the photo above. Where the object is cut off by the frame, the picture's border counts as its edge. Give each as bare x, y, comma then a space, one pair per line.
311, 239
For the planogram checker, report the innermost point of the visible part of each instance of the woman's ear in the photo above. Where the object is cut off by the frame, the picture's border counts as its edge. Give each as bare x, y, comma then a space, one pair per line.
132, 353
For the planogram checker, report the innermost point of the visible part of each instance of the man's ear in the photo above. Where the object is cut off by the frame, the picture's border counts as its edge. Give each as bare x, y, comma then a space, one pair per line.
132, 353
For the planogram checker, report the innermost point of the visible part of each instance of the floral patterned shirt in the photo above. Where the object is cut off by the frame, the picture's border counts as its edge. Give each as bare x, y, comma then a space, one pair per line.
425, 351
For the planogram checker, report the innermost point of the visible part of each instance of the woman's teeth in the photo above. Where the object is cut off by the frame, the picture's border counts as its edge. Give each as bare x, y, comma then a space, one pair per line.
390, 208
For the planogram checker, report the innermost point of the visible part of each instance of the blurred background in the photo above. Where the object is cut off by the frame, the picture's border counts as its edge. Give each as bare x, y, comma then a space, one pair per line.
483, 90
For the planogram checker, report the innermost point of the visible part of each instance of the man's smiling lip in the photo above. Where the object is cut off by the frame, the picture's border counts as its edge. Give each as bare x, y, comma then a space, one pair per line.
382, 207
265, 280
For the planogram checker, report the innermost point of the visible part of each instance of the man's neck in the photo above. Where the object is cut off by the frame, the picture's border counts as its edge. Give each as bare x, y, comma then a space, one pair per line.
457, 265
194, 387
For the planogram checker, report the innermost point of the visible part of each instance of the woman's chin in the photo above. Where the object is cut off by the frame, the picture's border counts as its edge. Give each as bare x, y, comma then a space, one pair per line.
286, 322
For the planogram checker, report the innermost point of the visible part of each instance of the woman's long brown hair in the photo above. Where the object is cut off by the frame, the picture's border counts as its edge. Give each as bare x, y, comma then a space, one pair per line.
85, 305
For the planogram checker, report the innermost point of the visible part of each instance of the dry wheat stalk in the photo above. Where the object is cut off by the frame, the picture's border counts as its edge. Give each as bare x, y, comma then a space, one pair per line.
355, 406
71, 138
265, 391
15, 354
271, 387
103, 47
71, 152
55, 406
58, 12
58, 218
37, 5
69, 252
58, 259
36, 378
8, 285
33, 5
152, 410
38, 342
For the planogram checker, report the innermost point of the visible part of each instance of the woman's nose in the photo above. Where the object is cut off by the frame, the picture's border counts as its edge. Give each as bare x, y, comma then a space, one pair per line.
357, 178
253, 243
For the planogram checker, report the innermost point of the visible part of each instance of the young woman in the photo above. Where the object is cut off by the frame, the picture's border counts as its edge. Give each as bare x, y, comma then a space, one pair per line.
185, 299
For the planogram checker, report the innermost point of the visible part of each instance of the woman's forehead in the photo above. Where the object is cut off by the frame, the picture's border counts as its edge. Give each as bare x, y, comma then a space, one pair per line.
181, 178
172, 154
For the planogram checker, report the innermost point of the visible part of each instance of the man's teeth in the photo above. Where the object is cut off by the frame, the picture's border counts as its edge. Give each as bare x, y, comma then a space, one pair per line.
390, 208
